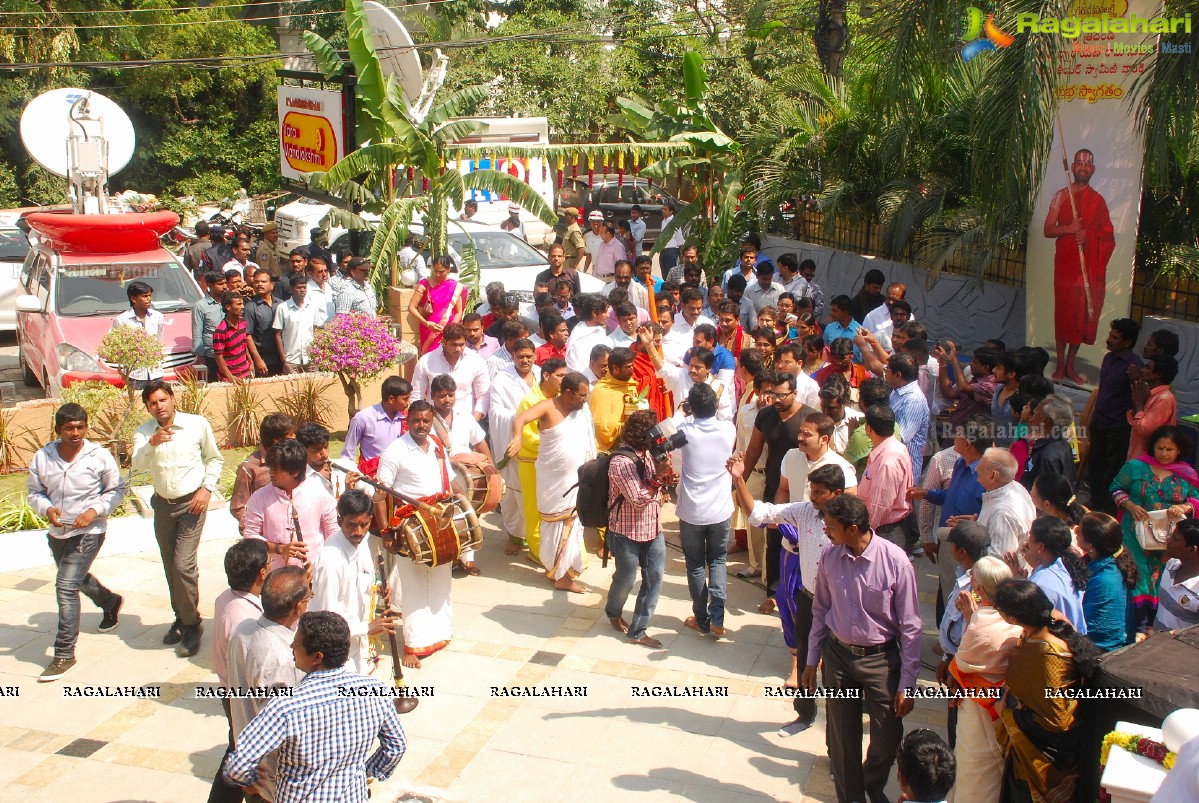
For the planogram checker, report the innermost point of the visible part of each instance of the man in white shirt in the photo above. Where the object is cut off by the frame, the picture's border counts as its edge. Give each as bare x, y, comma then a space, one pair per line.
462, 436
417, 467
597, 363
241, 260
791, 279
295, 324
669, 257
320, 290
592, 240
705, 509
698, 371
141, 314
1008, 510
342, 576
468, 369
834, 402
814, 450
878, 320
588, 333
681, 335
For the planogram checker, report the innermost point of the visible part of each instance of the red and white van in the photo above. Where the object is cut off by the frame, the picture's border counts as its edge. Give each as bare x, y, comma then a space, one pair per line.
72, 288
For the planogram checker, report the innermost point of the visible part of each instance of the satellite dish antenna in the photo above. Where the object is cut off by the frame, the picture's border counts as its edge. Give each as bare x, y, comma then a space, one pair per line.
83, 137
397, 53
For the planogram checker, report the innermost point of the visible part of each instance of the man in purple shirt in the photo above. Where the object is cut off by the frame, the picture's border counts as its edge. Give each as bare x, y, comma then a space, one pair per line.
866, 629
1109, 405
374, 429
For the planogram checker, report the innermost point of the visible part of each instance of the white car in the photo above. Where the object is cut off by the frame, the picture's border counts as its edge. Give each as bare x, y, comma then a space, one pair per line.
502, 257
13, 248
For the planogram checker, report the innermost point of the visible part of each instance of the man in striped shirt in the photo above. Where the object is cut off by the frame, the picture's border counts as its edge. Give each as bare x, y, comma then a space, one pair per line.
231, 349
634, 528
325, 729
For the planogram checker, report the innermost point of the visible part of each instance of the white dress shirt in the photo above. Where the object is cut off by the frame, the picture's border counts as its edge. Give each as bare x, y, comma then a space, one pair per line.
411, 470
152, 325
324, 298
679, 338
583, 338
704, 496
797, 468
470, 375
1007, 513
342, 575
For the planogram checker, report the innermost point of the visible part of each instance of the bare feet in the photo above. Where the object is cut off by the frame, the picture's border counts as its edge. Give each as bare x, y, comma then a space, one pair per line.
1059, 375
694, 625
619, 624
1076, 378
602, 552
718, 631
511, 549
469, 568
767, 606
647, 641
567, 584
792, 681
410, 662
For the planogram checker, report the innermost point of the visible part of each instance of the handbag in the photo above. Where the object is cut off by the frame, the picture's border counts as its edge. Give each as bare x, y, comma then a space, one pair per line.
1153, 534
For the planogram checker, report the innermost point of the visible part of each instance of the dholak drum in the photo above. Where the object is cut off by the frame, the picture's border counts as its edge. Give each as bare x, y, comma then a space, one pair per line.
438, 538
478, 480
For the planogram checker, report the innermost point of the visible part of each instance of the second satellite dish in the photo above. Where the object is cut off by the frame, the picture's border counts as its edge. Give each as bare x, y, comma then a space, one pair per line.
397, 54
56, 116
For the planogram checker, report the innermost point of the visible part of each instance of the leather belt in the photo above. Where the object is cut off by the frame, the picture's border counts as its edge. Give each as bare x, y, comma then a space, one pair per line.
178, 500
862, 652
761, 471
808, 594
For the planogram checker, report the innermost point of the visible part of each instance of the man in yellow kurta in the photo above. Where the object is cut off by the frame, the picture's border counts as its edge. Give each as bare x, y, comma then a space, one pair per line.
552, 372
614, 398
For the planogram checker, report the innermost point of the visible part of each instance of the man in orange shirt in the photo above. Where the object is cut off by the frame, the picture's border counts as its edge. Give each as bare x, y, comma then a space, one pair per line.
1153, 405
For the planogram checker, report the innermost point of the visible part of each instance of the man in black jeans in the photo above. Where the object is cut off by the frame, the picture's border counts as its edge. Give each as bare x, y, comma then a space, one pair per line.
776, 430
1110, 403
76, 485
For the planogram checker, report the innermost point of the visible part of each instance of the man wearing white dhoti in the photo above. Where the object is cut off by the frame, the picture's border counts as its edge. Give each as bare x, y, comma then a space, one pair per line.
342, 577
417, 466
567, 441
511, 384
463, 438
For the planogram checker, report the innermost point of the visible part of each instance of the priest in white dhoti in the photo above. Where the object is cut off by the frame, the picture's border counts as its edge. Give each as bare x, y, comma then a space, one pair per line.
509, 385
343, 575
417, 466
567, 441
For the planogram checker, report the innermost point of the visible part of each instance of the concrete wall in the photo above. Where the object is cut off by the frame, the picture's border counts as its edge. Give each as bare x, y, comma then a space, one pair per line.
33, 421
954, 308
1186, 386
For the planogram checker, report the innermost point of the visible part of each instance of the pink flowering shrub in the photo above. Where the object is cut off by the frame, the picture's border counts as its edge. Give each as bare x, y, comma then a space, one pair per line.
356, 348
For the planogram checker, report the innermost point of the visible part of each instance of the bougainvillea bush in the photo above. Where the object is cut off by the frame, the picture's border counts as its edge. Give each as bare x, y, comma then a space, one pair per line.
129, 348
356, 348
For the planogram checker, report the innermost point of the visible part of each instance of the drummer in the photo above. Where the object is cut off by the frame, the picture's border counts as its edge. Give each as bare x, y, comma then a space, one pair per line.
417, 467
460, 434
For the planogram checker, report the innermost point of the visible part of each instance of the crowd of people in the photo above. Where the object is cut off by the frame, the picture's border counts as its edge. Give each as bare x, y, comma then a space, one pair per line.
830, 444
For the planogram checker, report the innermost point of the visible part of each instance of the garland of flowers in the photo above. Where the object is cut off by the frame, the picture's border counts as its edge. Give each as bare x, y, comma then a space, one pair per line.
1138, 745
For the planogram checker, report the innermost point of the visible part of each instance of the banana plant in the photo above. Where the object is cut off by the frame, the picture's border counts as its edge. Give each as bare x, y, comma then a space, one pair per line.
405, 171
714, 169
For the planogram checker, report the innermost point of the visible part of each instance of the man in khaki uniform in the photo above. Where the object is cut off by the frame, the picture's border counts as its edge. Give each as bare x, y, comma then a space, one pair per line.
572, 241
267, 254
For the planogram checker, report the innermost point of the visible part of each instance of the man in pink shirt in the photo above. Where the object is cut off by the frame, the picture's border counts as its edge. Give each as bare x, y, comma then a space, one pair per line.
246, 569
1153, 404
888, 476
295, 515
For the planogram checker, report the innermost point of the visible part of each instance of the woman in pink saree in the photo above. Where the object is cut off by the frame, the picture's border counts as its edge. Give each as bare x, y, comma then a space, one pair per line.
437, 302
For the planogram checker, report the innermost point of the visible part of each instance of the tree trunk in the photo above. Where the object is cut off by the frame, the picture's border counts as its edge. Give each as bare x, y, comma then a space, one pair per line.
832, 36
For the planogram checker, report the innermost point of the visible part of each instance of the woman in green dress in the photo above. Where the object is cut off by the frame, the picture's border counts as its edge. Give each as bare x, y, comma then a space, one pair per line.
1158, 480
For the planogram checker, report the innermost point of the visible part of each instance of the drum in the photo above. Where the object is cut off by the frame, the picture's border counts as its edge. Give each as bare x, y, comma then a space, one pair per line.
479, 481
435, 538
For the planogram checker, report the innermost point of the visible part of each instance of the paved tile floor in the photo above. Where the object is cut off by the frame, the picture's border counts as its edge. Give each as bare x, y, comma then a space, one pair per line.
464, 744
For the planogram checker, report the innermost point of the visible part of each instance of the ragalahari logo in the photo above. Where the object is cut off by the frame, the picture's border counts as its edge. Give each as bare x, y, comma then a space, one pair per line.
975, 28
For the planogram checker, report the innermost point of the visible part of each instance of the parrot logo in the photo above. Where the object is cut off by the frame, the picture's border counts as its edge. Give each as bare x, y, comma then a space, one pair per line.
995, 37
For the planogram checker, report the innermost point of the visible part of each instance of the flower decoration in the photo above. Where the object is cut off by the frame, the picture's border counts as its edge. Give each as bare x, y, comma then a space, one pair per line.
356, 348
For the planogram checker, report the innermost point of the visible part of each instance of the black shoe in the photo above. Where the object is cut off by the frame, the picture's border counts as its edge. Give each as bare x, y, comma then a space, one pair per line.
110, 615
190, 644
174, 635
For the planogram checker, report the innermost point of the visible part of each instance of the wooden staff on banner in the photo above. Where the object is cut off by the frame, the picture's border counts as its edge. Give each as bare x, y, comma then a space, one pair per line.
1082, 259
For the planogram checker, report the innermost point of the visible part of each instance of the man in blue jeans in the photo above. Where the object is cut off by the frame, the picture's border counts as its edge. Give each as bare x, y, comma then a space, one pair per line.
75, 485
705, 508
634, 530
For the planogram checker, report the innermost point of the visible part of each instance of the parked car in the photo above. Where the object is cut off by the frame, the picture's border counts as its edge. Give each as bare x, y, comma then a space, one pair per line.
502, 257
72, 288
615, 198
13, 248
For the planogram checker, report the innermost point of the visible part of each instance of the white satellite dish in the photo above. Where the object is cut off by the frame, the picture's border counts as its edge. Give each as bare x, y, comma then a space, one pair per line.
397, 53
48, 122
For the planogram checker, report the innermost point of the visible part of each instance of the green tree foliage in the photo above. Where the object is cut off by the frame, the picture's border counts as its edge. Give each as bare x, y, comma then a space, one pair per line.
190, 122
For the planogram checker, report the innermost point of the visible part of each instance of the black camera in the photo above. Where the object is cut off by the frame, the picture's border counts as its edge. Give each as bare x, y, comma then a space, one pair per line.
664, 439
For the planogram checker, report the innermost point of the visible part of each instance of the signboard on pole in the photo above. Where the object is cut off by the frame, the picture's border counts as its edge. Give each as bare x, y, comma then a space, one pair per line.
311, 130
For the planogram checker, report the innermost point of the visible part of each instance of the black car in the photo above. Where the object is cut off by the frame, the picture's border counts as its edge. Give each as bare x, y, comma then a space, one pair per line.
615, 198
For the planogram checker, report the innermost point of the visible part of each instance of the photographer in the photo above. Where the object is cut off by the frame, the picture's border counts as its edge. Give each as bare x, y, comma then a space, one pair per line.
705, 509
634, 530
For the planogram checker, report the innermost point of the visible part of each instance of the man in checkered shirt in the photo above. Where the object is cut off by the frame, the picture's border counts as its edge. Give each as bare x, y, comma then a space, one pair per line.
323, 732
634, 528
